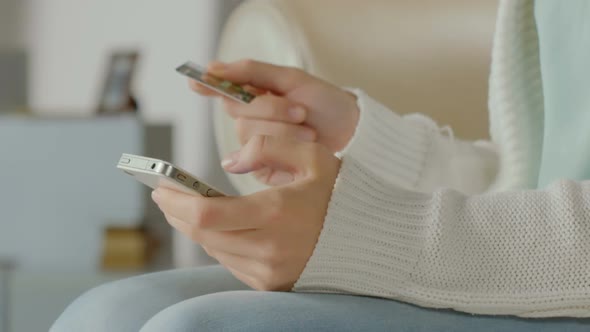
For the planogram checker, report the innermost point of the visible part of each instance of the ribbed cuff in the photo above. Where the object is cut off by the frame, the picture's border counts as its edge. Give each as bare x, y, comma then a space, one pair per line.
388, 144
371, 237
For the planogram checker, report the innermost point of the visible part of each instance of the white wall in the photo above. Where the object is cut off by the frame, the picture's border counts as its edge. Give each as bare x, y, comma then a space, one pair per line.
70, 41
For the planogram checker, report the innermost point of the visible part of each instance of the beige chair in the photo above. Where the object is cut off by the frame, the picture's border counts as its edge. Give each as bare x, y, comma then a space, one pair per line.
424, 56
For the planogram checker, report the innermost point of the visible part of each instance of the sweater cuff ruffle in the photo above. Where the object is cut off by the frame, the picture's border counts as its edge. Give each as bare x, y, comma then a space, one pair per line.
390, 145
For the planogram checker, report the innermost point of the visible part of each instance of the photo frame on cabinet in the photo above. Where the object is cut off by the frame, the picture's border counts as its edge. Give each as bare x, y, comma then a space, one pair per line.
116, 95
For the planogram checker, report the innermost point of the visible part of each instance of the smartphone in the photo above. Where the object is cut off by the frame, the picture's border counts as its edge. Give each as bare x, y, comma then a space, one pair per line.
158, 173
224, 87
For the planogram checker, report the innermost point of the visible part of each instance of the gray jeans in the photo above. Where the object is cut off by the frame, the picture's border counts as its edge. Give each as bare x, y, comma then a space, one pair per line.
211, 299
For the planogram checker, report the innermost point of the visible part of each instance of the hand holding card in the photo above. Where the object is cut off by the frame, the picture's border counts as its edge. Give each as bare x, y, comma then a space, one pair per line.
279, 101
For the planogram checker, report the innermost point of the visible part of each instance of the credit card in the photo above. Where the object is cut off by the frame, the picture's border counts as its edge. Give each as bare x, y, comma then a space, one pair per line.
224, 87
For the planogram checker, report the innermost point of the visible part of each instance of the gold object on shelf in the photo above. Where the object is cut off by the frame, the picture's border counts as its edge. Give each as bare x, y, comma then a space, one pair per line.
126, 248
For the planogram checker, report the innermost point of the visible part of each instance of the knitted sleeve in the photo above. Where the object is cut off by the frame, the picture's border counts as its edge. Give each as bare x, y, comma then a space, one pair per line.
523, 253
413, 152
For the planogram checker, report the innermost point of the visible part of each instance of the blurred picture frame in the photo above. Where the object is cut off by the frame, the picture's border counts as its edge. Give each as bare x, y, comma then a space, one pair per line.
13, 81
116, 94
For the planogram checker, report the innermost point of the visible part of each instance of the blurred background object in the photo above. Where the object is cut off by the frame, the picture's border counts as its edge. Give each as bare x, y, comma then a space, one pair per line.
13, 80
117, 91
64, 207
13, 57
59, 190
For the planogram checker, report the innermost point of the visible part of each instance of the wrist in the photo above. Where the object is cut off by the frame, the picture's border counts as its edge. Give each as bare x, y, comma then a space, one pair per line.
352, 118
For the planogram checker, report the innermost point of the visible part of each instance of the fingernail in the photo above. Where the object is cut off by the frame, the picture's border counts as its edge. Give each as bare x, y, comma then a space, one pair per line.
230, 160
155, 196
217, 67
227, 162
296, 113
306, 135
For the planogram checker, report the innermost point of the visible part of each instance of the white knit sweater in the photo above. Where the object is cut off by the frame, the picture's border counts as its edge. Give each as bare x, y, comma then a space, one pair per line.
419, 217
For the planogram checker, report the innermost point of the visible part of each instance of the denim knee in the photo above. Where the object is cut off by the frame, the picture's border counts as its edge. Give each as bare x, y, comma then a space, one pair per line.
117, 306
224, 311
127, 304
94, 310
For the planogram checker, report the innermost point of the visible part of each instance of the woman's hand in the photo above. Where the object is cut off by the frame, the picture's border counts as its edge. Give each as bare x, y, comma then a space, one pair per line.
290, 103
264, 239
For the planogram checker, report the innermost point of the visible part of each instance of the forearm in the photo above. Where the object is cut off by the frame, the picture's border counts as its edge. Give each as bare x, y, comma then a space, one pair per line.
523, 253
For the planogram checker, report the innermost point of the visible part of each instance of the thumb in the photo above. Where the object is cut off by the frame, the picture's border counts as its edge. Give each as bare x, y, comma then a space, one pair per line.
278, 79
268, 151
